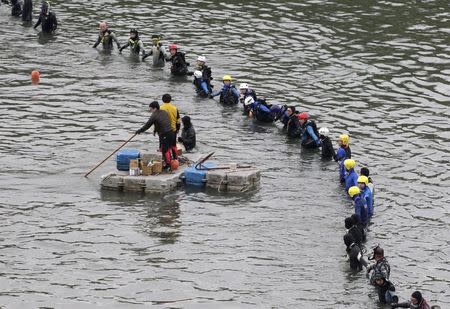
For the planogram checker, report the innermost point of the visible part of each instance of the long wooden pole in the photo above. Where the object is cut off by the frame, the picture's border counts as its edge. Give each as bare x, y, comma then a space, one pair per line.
126, 142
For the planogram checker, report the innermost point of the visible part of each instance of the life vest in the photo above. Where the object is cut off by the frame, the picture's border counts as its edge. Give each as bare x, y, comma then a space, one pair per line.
134, 45
312, 123
106, 38
227, 97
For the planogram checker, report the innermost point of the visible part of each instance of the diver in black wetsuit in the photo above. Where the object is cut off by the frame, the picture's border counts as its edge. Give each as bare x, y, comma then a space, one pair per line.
178, 60
47, 19
27, 10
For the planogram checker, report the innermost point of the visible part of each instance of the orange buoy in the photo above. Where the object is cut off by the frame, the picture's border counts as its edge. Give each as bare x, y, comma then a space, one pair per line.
35, 76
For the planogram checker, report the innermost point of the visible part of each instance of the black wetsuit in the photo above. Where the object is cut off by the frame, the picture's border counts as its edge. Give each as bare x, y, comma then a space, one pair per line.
327, 148
293, 126
354, 253
48, 21
27, 11
179, 65
16, 9
188, 138
106, 38
135, 45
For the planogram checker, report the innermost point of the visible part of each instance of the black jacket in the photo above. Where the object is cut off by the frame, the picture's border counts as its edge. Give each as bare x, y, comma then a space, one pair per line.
188, 137
327, 148
161, 121
49, 22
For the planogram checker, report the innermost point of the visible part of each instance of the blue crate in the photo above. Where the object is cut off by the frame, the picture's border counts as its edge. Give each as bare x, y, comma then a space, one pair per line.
196, 177
124, 156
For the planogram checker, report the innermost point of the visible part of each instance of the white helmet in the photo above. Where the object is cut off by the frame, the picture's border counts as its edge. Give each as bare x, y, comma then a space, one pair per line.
324, 131
201, 58
249, 100
243, 86
198, 74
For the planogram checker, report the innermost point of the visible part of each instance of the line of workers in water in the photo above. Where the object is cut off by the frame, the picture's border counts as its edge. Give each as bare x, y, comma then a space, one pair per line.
166, 120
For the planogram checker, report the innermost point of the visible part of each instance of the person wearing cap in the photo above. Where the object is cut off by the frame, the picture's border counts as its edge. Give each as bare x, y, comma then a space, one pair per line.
351, 178
363, 184
309, 133
261, 110
206, 71
47, 19
229, 95
291, 123
359, 204
385, 290
160, 119
106, 37
245, 92
187, 137
202, 87
381, 266
178, 60
328, 152
354, 253
135, 43
157, 51
344, 144
417, 302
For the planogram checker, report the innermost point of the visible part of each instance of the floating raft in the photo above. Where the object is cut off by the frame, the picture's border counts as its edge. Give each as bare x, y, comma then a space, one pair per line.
224, 177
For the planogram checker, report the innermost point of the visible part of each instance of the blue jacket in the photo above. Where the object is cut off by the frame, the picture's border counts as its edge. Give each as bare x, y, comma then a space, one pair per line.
351, 179
201, 84
361, 209
308, 133
367, 195
225, 88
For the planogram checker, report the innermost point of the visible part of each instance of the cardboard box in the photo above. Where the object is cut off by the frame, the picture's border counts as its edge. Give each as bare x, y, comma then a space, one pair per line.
147, 170
134, 163
157, 167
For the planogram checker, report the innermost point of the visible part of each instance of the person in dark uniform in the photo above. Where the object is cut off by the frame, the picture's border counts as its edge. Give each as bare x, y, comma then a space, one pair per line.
47, 19
178, 60
327, 146
354, 253
187, 137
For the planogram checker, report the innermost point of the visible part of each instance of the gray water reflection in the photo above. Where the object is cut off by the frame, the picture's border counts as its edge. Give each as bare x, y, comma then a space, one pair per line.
378, 70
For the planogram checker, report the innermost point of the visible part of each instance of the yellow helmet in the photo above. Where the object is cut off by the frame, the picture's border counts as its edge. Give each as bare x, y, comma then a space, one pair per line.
353, 191
344, 138
226, 77
349, 164
363, 179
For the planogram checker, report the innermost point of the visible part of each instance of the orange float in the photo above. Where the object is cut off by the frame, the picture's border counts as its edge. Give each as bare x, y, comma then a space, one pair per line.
35, 76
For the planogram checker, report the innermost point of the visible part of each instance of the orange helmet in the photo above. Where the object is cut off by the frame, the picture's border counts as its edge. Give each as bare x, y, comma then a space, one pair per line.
174, 164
